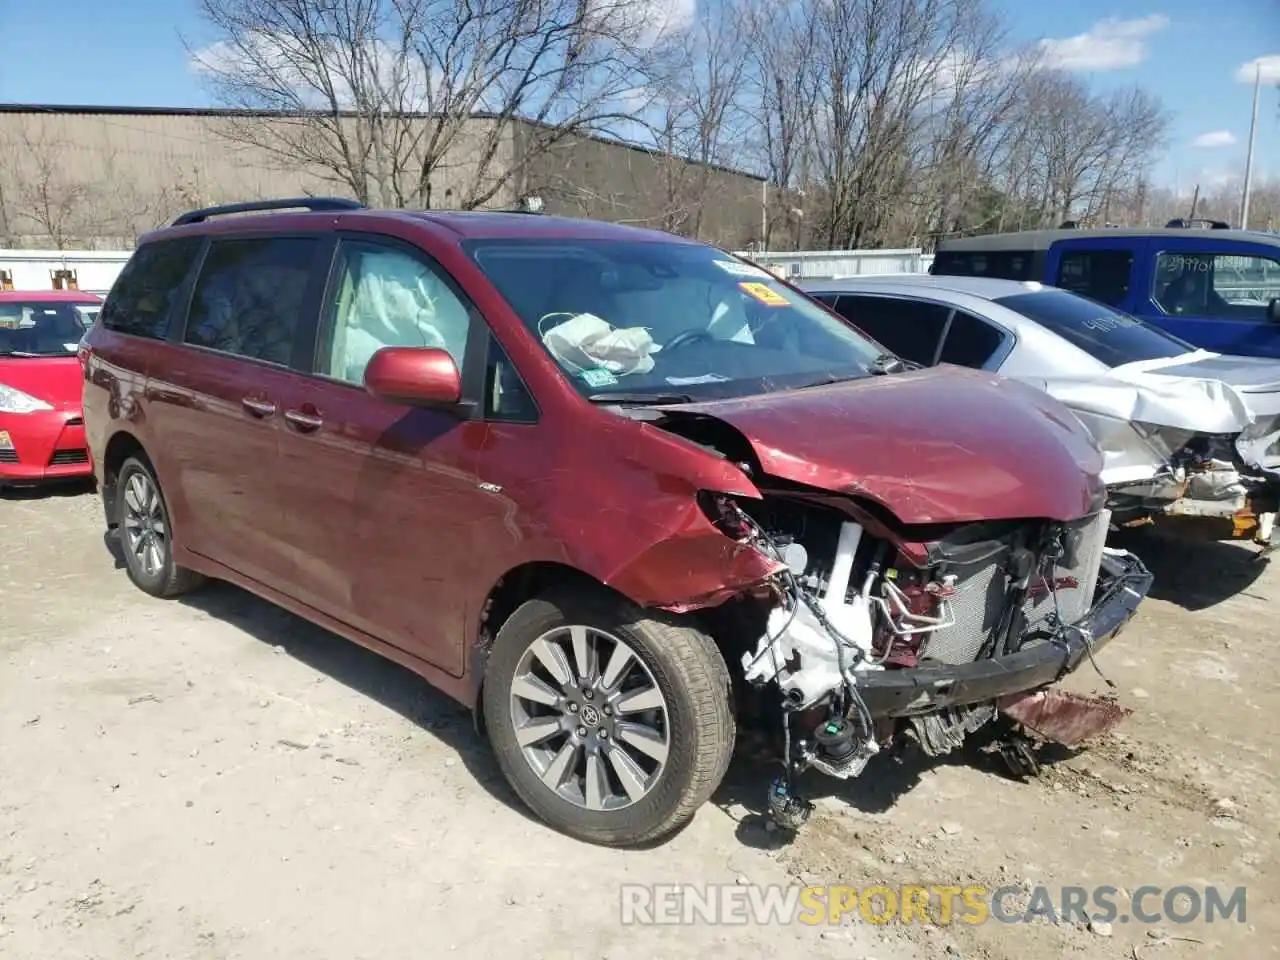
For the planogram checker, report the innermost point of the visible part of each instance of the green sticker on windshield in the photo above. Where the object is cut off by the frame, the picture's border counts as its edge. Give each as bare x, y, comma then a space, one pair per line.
599, 377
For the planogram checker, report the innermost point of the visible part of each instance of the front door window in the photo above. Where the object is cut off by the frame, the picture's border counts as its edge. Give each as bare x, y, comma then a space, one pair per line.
389, 298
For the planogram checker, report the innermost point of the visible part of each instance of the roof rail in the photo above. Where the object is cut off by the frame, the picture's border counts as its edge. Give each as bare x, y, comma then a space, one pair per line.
314, 204
1187, 222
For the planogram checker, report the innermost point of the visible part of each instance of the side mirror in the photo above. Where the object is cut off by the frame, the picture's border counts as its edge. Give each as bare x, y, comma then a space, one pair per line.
416, 376
1273, 310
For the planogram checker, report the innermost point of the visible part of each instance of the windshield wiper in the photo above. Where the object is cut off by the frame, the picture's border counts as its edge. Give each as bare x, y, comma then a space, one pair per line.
24, 353
640, 398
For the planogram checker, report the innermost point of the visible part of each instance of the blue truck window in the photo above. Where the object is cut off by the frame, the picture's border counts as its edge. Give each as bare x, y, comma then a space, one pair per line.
1231, 286
1003, 264
1101, 275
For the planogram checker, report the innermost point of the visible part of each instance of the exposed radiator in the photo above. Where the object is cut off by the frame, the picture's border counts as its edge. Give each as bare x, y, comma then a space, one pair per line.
1075, 602
976, 608
981, 596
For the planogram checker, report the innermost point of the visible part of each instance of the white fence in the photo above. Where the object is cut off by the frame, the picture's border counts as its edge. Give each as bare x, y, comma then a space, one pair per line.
90, 270
95, 270
834, 264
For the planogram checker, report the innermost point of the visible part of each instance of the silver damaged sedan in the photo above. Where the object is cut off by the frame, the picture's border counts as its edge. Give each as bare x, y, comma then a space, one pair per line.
1186, 432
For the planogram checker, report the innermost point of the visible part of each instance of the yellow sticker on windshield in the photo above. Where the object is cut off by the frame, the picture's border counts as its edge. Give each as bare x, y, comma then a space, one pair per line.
765, 294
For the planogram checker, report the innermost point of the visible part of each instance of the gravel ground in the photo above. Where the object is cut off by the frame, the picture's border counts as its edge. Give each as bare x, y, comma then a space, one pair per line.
214, 778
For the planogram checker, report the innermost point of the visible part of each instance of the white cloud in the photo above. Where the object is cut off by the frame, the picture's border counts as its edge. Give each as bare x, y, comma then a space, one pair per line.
1110, 44
1215, 138
1269, 65
664, 17
274, 63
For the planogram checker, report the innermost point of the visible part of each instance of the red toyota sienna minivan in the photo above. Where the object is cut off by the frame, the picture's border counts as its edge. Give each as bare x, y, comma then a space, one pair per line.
619, 492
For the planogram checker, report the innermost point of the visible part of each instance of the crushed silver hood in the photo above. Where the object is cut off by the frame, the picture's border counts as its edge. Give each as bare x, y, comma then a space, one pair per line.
1141, 413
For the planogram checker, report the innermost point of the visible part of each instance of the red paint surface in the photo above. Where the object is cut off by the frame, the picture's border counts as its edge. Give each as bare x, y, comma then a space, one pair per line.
933, 446
409, 375
1063, 717
36, 436
48, 296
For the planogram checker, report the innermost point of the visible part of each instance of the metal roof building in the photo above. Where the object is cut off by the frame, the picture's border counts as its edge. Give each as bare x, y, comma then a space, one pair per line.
93, 176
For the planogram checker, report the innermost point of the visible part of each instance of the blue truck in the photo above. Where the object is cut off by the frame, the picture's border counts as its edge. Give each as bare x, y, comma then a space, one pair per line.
1207, 284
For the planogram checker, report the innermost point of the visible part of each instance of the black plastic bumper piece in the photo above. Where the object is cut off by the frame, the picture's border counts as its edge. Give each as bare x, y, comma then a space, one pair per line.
908, 692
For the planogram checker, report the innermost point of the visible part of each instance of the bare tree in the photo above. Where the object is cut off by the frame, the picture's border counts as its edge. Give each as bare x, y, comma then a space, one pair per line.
1220, 201
780, 84
393, 99
46, 199
695, 117
880, 67
1080, 154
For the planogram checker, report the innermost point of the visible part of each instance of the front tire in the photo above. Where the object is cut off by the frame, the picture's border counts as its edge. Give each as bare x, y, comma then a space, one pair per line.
612, 725
145, 533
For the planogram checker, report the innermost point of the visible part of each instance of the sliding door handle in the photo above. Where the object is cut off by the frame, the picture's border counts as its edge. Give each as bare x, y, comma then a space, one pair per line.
259, 408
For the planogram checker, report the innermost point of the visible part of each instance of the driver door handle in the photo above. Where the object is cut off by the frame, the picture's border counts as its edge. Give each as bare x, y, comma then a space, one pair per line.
303, 422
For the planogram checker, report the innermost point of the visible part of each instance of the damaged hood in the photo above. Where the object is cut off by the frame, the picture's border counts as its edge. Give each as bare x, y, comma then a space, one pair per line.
933, 446
1197, 392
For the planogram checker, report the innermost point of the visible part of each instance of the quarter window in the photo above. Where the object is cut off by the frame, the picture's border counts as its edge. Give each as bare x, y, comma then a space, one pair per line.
970, 342
506, 396
384, 297
250, 297
1101, 275
143, 299
1216, 286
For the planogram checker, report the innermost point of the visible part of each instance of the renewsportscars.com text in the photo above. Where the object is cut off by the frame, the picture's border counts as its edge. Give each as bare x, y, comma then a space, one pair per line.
674, 904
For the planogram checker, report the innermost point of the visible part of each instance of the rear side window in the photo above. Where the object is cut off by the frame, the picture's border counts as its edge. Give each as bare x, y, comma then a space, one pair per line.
970, 341
250, 295
1107, 335
144, 297
909, 328
1101, 275
1003, 264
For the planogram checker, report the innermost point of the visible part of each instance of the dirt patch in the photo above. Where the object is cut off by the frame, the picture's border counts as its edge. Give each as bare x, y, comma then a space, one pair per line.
214, 778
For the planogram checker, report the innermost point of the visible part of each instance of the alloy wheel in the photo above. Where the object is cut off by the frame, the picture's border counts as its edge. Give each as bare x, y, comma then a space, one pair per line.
589, 718
145, 528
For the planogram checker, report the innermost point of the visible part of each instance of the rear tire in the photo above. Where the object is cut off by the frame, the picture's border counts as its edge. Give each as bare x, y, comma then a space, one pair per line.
645, 713
145, 533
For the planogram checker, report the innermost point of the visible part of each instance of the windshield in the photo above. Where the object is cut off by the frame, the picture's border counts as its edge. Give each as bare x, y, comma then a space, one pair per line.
46, 329
1106, 334
669, 319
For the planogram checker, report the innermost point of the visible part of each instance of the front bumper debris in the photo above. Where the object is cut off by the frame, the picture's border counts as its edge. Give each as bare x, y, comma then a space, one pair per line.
1061, 716
911, 692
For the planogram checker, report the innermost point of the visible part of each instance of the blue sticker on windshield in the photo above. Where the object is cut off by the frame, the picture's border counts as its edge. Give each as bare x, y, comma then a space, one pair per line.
599, 377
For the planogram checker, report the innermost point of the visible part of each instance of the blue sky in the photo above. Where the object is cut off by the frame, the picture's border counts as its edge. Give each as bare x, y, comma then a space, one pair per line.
1189, 52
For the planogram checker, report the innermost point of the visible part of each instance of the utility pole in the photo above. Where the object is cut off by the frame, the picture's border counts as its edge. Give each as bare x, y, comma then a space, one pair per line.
1248, 161
764, 214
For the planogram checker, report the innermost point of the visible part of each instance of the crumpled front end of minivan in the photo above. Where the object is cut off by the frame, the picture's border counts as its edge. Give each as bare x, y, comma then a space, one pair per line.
867, 637
928, 575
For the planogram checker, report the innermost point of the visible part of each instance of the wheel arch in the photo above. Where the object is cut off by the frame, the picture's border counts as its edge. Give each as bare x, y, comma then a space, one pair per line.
120, 448
522, 582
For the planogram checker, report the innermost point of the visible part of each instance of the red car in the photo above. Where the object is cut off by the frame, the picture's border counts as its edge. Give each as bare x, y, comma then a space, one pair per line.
619, 492
41, 429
